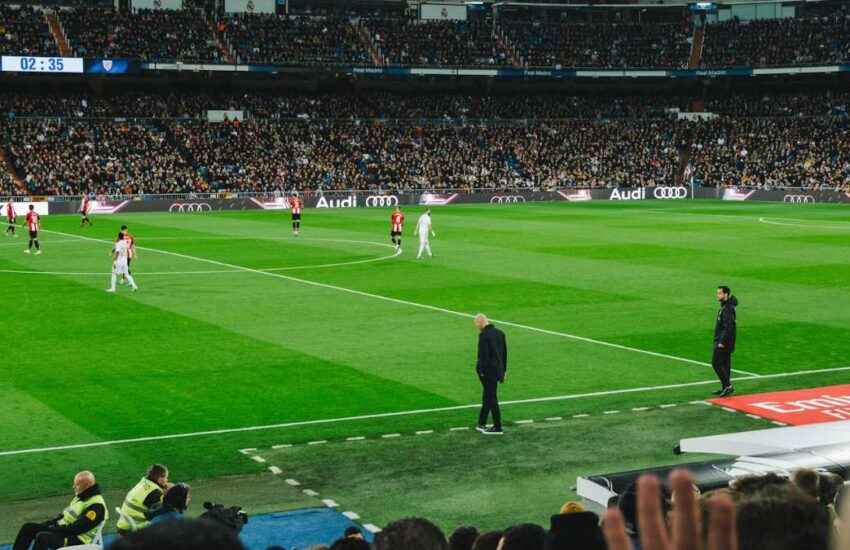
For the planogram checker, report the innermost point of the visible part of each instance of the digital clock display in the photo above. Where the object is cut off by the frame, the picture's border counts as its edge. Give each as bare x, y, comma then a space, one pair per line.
18, 64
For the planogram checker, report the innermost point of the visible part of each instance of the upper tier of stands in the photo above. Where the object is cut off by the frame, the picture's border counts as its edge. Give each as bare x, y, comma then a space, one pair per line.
515, 38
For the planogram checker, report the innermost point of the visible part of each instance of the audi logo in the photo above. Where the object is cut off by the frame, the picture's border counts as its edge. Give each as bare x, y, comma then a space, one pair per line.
181, 207
507, 199
381, 201
670, 192
798, 199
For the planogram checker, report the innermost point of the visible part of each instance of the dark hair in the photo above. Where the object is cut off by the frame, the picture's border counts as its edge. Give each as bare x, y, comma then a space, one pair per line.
123, 227
782, 517
525, 536
350, 543
752, 484
190, 534
275, 547
463, 538
175, 497
726, 290
411, 534
488, 541
32, 207
156, 471
829, 486
807, 481
352, 530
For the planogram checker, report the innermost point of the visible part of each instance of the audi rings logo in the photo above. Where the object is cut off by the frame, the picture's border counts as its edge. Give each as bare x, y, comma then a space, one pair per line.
507, 199
668, 193
798, 199
381, 201
183, 207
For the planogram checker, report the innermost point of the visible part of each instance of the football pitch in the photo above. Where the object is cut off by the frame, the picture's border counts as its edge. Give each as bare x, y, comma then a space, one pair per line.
348, 371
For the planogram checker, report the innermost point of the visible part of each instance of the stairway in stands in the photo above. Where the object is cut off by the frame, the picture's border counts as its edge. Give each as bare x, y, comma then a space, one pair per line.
694, 60
6, 167
367, 40
58, 34
220, 41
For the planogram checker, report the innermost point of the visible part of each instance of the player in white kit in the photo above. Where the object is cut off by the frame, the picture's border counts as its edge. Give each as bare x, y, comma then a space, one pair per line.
423, 228
120, 255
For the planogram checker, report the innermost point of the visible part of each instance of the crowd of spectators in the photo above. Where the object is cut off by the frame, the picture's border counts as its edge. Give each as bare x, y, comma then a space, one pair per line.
363, 105
63, 158
293, 40
408, 41
147, 34
517, 38
24, 31
599, 45
806, 511
822, 39
773, 153
386, 142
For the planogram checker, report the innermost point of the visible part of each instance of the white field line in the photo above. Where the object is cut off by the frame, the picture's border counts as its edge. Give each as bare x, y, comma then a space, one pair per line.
415, 304
405, 413
805, 223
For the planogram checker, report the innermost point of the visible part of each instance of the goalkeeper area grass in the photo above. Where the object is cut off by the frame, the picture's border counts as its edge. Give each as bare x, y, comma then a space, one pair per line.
243, 336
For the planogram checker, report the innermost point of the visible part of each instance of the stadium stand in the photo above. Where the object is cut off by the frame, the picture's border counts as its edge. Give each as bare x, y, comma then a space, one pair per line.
296, 40
405, 41
440, 141
153, 35
822, 37
605, 45
59, 158
24, 31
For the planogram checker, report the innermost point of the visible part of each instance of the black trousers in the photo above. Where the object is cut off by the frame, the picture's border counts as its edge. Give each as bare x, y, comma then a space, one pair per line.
490, 403
722, 363
42, 538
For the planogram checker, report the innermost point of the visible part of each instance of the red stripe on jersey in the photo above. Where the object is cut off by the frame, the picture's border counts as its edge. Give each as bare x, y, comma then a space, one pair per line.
296, 205
32, 220
10, 211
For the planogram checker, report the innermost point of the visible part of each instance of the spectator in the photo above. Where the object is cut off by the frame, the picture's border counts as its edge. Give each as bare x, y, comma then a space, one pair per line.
411, 534
526, 536
463, 538
574, 529
488, 541
174, 504
350, 543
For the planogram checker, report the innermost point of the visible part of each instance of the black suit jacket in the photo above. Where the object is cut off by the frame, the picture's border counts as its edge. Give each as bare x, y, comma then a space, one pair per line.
492, 354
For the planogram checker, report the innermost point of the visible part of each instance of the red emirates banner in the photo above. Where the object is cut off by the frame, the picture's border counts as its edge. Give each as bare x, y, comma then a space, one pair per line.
797, 407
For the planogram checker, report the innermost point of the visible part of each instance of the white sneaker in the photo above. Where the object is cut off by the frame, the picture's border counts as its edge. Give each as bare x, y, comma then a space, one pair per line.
38, 252
27, 251
110, 290
135, 288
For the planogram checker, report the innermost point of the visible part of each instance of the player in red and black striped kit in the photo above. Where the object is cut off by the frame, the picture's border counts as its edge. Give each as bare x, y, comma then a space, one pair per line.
33, 225
84, 211
295, 206
396, 226
10, 219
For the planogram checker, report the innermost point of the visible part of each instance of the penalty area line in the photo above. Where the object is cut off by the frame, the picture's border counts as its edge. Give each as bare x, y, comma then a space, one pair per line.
302, 423
416, 304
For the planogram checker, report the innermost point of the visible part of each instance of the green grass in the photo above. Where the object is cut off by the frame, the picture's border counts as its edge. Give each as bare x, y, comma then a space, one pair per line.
234, 349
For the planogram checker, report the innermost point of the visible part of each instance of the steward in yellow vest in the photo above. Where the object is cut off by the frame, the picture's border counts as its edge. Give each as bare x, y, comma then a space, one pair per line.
144, 497
79, 523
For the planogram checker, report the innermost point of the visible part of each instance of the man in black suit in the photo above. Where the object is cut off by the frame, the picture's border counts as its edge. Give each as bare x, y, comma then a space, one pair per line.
491, 367
725, 329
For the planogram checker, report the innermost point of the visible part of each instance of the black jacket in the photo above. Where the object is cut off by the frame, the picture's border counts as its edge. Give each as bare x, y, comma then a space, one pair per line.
492, 354
88, 520
725, 326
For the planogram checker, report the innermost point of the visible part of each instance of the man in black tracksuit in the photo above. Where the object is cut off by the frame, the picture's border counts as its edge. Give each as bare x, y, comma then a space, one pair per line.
492, 365
724, 340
